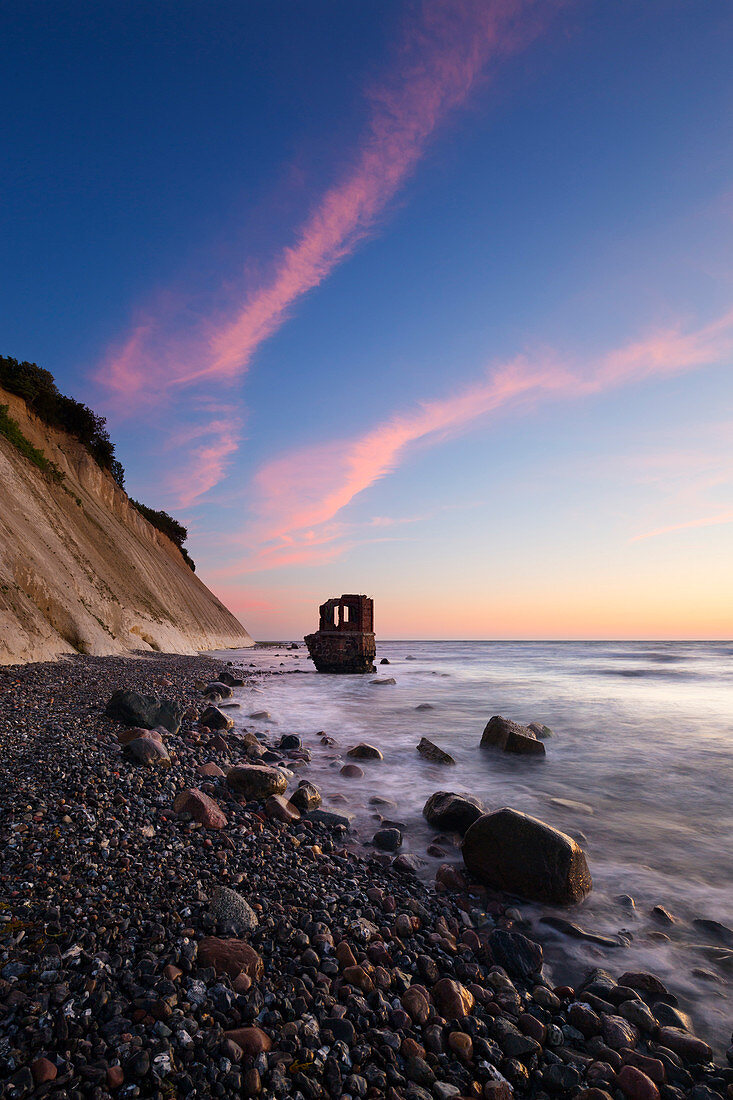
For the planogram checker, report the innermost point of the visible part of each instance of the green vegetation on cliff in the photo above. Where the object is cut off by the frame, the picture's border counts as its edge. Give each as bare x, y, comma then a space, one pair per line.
11, 430
39, 391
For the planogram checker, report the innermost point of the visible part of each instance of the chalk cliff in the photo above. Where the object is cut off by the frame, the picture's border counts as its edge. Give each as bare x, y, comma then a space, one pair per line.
81, 571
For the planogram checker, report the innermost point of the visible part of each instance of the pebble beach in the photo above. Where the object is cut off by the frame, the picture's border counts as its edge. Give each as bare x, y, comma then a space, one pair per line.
165, 932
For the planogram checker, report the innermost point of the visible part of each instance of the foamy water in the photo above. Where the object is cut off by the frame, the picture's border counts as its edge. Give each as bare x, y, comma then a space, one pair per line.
643, 738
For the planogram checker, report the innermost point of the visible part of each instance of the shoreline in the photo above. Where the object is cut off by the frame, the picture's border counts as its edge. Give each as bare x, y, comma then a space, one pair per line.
106, 894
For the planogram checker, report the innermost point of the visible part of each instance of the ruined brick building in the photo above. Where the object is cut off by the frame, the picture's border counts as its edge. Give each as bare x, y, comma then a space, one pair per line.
344, 641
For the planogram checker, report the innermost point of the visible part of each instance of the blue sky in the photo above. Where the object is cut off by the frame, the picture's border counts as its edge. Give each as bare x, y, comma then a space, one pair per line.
396, 298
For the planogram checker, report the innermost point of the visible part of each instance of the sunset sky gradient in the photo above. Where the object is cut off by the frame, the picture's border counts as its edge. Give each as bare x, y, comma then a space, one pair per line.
429, 300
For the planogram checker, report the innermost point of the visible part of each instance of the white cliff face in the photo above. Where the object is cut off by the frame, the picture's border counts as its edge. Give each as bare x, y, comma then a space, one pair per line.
81, 571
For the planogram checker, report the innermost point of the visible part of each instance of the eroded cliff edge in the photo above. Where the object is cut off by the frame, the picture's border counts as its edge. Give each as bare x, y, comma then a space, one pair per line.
82, 571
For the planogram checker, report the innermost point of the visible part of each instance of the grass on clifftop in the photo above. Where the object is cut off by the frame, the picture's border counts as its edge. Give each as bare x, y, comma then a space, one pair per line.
11, 430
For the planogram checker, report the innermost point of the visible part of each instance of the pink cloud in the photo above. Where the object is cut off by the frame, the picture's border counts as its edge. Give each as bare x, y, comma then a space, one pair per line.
705, 521
205, 463
444, 52
298, 495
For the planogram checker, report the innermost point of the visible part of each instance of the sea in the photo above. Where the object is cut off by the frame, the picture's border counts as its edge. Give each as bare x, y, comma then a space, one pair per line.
639, 770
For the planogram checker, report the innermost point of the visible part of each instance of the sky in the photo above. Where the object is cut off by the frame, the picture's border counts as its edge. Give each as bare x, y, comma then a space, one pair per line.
427, 300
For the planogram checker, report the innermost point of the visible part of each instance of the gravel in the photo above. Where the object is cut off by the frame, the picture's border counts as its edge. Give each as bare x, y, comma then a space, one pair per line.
329, 972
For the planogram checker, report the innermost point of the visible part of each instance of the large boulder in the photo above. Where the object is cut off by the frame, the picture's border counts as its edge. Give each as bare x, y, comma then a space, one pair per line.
451, 811
256, 781
517, 853
201, 808
433, 753
502, 733
132, 708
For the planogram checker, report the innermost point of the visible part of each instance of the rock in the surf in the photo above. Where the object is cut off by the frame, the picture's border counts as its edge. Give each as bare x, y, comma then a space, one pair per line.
306, 797
362, 751
502, 733
517, 853
451, 811
432, 753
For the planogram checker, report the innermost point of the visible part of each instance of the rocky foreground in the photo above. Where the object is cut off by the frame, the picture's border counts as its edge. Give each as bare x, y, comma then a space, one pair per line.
171, 928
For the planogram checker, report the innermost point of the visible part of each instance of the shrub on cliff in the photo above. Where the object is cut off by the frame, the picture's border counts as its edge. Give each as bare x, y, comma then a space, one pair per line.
39, 391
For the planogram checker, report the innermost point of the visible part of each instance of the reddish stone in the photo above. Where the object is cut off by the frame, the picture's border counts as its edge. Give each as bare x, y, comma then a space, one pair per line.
201, 808
530, 1025
415, 1004
449, 878
252, 1040
687, 1046
498, 1090
242, 983
115, 1077
462, 1044
279, 809
652, 1067
411, 1049
231, 957
357, 976
636, 1085
211, 770
345, 955
452, 998
127, 735
43, 1071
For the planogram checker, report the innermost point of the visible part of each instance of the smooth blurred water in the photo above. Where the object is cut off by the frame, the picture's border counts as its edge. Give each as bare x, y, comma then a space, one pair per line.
643, 737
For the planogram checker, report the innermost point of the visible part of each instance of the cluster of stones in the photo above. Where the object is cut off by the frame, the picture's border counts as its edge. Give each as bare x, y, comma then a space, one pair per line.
188, 930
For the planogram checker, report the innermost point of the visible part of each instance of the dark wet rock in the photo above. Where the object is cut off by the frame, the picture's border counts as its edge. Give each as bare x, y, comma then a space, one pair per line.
662, 915
522, 855
520, 956
230, 680
256, 781
352, 771
432, 753
134, 708
509, 736
384, 661
721, 933
232, 910
363, 751
261, 716
424, 706
306, 797
290, 741
330, 817
569, 929
539, 729
215, 719
383, 681
408, 864
388, 840
451, 811
218, 688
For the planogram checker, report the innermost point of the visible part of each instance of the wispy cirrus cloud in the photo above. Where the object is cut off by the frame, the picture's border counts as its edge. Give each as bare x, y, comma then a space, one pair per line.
298, 495
688, 525
446, 49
